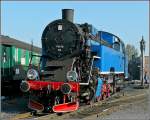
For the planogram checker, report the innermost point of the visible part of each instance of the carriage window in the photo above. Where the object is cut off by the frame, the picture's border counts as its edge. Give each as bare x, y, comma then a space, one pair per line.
116, 46
16, 54
23, 55
4, 56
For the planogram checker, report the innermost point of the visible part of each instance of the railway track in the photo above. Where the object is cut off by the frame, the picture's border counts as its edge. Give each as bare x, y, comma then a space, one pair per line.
99, 108
29, 115
112, 109
22, 116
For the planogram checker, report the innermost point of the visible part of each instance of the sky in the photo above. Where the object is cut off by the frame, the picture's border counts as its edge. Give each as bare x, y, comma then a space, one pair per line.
26, 20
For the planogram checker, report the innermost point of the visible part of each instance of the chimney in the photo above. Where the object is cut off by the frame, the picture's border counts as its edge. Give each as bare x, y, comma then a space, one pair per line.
67, 14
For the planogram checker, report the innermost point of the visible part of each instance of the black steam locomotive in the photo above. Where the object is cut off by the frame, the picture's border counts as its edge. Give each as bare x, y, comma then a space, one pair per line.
74, 58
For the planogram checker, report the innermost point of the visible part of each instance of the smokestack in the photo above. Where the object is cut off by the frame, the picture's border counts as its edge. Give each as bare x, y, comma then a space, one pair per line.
67, 14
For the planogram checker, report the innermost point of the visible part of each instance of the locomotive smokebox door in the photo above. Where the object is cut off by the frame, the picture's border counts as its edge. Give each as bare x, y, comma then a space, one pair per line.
60, 38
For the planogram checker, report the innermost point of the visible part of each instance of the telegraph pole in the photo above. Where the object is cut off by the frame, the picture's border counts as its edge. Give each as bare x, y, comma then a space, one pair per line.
142, 48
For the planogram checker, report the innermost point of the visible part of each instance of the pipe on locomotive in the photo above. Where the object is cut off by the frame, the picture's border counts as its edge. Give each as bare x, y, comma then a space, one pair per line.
68, 14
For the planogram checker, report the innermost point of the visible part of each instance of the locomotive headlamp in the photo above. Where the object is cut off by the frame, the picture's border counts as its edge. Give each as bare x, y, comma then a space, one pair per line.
66, 88
24, 86
32, 74
72, 76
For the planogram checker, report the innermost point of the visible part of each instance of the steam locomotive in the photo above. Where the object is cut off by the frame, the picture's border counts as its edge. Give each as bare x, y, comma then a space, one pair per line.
73, 57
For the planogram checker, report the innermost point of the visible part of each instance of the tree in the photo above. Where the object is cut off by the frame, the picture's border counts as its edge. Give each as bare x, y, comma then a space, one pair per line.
131, 52
133, 62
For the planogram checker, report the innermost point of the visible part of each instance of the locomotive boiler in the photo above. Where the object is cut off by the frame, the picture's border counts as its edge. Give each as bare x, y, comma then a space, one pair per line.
73, 57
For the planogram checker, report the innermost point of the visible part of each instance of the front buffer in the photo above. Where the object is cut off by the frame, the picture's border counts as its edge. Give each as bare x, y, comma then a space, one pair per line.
48, 96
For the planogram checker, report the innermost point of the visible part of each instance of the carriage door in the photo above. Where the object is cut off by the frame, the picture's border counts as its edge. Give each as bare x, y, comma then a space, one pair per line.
6, 60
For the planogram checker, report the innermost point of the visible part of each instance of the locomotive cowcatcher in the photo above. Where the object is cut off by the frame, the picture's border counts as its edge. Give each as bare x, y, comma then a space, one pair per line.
75, 58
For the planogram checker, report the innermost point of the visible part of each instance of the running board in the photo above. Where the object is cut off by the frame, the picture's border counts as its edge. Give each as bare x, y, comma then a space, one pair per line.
84, 83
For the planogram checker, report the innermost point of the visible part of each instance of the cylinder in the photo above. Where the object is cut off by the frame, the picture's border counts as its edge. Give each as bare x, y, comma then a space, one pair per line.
67, 14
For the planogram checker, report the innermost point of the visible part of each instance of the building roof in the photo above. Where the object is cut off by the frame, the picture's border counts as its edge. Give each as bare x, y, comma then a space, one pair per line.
6, 40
